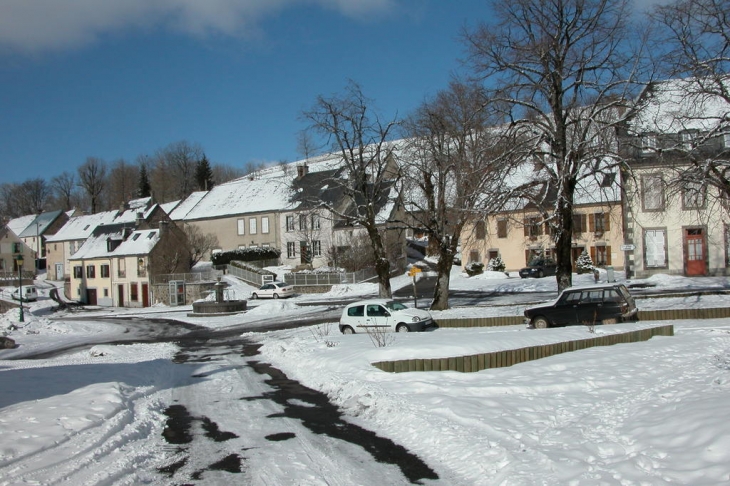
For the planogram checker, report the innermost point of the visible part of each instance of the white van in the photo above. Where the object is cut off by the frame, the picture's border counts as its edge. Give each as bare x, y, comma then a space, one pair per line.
30, 293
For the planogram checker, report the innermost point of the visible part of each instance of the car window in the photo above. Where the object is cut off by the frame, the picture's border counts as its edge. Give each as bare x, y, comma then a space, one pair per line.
375, 310
396, 306
611, 295
572, 297
357, 311
591, 296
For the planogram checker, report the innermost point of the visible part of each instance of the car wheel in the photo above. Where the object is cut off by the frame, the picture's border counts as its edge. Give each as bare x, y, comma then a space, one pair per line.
540, 323
540, 274
276, 296
402, 328
254, 296
348, 330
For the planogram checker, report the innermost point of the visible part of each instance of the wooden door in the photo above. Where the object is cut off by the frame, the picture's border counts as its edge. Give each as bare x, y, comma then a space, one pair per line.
145, 295
91, 296
120, 295
694, 256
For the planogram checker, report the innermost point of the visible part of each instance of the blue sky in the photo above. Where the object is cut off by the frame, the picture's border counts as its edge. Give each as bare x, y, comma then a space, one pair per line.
120, 79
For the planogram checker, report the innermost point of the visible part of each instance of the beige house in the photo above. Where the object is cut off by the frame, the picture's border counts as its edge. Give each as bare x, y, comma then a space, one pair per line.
116, 264
60, 247
10, 247
678, 226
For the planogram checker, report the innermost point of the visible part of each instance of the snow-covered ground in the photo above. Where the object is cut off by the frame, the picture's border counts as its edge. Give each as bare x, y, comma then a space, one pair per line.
644, 413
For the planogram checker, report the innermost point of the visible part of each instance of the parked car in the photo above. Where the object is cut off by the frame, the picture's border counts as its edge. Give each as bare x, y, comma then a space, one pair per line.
595, 304
30, 293
386, 315
539, 268
274, 290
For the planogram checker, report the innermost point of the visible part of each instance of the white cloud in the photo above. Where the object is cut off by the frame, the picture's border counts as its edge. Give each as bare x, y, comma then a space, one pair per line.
32, 26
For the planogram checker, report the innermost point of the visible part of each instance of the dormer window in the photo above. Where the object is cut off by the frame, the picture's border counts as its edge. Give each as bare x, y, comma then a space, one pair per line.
726, 139
648, 143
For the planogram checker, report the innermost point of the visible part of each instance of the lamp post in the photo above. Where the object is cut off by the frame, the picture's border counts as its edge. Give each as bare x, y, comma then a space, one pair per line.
19, 261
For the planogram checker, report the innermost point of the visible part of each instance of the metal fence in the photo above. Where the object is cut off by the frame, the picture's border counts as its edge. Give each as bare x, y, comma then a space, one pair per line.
186, 277
313, 279
249, 276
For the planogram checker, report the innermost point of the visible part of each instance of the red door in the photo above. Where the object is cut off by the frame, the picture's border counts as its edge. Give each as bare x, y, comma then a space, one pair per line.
694, 242
91, 296
145, 295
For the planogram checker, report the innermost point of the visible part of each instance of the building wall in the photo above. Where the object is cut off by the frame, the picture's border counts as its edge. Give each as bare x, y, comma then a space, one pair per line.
234, 232
9, 242
516, 247
295, 236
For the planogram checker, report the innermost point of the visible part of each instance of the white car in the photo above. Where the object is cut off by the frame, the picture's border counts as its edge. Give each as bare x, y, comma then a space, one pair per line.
274, 290
30, 293
385, 315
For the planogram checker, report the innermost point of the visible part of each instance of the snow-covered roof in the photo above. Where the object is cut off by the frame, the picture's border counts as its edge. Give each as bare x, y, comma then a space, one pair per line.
170, 206
139, 242
675, 105
183, 207
81, 227
243, 196
18, 225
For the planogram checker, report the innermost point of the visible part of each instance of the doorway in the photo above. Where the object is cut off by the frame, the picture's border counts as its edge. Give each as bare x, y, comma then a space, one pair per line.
695, 262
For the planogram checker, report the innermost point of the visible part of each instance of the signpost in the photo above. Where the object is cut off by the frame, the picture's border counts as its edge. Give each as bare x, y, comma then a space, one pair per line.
628, 247
412, 273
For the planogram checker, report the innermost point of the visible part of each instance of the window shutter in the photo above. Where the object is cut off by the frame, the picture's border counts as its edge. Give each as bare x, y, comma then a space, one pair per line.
591, 223
527, 257
606, 221
593, 254
608, 255
525, 225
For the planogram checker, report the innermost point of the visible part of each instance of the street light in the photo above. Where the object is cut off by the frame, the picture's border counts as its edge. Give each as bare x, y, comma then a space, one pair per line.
19, 261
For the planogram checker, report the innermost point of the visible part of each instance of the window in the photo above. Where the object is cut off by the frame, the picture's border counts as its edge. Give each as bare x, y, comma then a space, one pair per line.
78, 271
121, 268
599, 222
532, 227
290, 223
473, 256
302, 222
291, 249
316, 248
357, 311
141, 268
601, 255
726, 139
688, 139
315, 222
90, 271
652, 193
579, 223
648, 143
265, 224
105, 271
133, 295
608, 180
655, 248
252, 226
693, 195
502, 228
241, 223
106, 292
17, 248
481, 230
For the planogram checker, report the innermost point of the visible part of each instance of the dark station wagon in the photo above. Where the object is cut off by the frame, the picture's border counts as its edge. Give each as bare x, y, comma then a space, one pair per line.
595, 304
539, 268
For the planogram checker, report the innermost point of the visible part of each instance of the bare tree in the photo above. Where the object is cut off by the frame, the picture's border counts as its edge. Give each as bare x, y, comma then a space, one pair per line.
163, 186
65, 190
92, 179
359, 137
560, 72
199, 243
123, 183
181, 159
454, 168
694, 37
9, 201
224, 173
33, 196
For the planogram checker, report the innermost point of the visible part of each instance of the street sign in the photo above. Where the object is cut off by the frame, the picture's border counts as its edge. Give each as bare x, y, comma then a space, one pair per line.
414, 271
628, 247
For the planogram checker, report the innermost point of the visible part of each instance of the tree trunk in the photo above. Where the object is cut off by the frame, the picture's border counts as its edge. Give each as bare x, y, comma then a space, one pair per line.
441, 291
564, 244
382, 268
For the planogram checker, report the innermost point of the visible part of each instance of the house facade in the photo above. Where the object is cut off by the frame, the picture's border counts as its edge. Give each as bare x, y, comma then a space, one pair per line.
116, 264
676, 223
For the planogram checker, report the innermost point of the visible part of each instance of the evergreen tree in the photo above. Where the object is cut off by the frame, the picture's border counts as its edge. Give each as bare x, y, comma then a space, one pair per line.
496, 264
204, 174
584, 264
144, 189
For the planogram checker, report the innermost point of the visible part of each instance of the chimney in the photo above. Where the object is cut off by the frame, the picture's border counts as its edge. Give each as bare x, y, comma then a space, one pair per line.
163, 228
139, 220
302, 170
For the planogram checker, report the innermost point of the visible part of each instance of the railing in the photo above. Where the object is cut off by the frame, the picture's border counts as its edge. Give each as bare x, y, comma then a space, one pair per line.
10, 276
186, 277
314, 279
249, 276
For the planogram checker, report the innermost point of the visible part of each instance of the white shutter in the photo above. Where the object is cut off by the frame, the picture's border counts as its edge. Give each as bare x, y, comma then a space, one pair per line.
656, 254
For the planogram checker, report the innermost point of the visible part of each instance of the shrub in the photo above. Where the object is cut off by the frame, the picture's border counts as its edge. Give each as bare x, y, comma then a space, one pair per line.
246, 255
474, 268
496, 264
584, 264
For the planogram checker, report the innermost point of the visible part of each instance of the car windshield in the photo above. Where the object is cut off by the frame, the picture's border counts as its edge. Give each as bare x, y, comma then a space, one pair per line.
396, 306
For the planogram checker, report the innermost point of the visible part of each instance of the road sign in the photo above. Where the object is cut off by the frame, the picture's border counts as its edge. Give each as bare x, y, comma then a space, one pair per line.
628, 247
414, 271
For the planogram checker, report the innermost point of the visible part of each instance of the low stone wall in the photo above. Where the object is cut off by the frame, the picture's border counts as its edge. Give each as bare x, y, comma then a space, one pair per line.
509, 357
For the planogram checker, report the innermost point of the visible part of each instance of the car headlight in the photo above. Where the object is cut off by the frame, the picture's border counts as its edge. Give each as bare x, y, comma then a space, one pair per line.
416, 319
